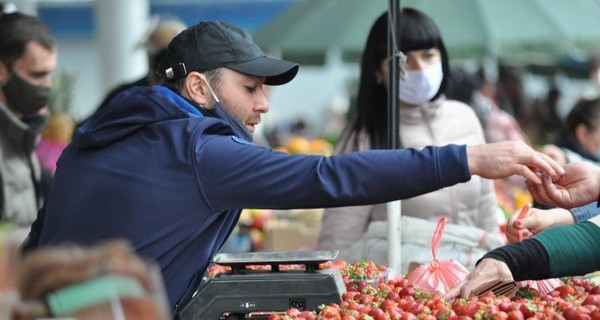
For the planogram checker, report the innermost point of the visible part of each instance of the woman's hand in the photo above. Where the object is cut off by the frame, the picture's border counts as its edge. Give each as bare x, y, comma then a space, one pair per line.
536, 221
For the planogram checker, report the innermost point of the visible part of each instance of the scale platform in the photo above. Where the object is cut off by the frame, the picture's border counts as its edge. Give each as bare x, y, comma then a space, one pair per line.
248, 294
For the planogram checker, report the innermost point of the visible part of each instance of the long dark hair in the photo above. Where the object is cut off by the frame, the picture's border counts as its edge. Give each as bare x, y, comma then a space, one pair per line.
416, 31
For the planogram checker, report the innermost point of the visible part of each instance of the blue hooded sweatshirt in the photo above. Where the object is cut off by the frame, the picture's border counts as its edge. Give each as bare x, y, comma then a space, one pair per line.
162, 173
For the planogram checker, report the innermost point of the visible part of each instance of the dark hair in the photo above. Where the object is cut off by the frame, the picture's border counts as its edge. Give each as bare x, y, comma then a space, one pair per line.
16, 31
586, 112
212, 76
418, 32
370, 110
415, 31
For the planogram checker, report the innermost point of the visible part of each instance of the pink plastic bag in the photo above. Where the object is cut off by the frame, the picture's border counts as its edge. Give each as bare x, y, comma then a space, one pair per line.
438, 275
542, 286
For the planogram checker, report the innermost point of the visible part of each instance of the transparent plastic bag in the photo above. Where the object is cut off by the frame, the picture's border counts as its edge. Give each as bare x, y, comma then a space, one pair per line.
438, 275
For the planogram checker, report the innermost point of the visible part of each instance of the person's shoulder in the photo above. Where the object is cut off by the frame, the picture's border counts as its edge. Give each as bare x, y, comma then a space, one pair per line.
460, 108
458, 105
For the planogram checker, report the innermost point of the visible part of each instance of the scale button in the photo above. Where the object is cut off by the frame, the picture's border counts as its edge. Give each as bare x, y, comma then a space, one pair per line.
248, 305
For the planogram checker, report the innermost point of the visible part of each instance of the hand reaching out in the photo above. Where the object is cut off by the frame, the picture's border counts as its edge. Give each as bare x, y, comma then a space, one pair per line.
579, 185
506, 158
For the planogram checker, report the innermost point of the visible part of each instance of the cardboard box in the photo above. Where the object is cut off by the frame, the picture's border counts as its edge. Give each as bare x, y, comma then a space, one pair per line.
284, 235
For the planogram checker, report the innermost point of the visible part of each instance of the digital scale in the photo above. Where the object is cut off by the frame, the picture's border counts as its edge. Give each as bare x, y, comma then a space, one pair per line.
254, 294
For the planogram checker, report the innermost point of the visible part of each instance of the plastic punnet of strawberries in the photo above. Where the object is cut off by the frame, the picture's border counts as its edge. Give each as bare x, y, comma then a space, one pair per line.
395, 299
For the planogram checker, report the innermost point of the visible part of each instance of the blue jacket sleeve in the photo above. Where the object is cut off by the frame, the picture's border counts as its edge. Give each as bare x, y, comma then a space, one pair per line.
585, 212
236, 175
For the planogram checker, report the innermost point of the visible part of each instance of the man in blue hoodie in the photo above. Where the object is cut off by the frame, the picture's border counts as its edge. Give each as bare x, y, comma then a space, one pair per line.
170, 167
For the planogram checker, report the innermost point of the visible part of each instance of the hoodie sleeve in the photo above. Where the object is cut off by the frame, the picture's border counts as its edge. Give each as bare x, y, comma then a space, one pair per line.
233, 174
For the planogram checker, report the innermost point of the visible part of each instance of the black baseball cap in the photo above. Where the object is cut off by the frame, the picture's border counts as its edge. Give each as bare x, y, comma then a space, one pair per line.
210, 45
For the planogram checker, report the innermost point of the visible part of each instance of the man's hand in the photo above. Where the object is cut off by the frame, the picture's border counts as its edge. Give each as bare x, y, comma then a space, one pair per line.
536, 221
503, 159
487, 271
579, 185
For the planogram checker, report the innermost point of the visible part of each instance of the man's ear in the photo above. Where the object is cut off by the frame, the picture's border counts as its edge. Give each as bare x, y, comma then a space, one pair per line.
196, 89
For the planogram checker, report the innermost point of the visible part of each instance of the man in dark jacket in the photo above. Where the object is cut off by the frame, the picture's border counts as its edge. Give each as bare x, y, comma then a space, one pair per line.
170, 167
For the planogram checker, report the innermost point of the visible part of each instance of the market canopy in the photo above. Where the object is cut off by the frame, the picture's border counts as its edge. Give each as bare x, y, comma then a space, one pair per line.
516, 29
306, 32
521, 30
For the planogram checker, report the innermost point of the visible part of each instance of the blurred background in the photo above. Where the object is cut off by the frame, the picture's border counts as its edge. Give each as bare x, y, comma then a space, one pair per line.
535, 46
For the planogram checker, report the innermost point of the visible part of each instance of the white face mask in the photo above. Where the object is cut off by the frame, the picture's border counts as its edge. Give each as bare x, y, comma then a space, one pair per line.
421, 85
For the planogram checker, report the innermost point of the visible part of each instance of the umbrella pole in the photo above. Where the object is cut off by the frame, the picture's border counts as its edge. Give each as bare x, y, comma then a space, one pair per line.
394, 208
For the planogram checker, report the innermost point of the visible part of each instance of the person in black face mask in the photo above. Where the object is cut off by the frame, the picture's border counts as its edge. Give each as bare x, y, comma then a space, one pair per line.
28, 55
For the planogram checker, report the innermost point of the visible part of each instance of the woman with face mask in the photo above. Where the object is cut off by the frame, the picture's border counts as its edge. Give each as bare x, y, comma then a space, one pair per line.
426, 118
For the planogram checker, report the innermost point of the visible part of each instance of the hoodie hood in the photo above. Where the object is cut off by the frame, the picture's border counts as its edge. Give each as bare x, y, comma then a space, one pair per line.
131, 111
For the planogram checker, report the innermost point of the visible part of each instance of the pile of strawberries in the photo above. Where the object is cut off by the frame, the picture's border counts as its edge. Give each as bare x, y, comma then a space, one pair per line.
397, 299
